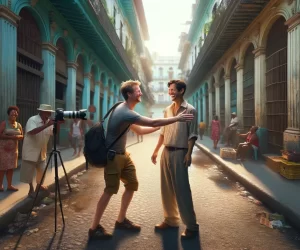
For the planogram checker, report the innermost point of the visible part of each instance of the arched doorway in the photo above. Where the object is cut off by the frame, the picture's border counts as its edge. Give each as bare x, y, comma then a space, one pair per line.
61, 79
248, 89
206, 104
233, 78
79, 82
29, 64
276, 84
213, 94
92, 90
222, 99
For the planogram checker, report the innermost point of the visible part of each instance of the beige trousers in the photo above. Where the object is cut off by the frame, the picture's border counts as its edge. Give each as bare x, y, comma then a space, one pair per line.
175, 190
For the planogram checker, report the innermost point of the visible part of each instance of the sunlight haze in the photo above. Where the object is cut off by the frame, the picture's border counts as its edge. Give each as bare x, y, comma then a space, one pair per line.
166, 20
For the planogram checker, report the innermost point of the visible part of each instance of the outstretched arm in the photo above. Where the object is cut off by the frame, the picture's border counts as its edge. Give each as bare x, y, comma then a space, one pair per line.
143, 130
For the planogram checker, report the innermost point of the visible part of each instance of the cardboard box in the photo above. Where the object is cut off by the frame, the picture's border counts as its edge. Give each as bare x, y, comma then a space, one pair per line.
228, 153
274, 162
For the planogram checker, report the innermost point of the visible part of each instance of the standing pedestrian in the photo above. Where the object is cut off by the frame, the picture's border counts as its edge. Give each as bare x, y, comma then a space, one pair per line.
231, 130
37, 133
10, 134
215, 130
202, 127
119, 164
76, 134
179, 140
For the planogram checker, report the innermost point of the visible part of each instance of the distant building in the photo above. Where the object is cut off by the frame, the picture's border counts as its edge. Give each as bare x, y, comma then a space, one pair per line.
164, 69
71, 54
243, 56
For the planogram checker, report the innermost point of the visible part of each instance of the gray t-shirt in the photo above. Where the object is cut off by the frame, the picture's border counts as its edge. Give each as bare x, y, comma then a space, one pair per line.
118, 121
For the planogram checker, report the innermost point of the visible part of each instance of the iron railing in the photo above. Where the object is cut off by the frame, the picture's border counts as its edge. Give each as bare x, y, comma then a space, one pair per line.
109, 29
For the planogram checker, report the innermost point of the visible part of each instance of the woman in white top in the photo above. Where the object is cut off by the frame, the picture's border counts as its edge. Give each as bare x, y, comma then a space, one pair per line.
76, 134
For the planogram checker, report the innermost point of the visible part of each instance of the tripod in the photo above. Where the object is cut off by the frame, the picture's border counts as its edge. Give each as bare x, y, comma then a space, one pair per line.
54, 153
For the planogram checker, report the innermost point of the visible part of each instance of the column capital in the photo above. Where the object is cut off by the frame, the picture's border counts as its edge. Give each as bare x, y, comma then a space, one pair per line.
238, 67
227, 77
50, 47
88, 75
217, 85
72, 65
293, 21
10, 16
259, 51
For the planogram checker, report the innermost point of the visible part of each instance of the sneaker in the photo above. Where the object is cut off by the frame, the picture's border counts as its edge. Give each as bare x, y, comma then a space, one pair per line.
99, 233
128, 225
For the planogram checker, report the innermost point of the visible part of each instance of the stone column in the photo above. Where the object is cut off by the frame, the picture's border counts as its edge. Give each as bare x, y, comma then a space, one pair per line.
291, 136
227, 101
260, 97
217, 99
48, 85
86, 93
240, 95
97, 102
260, 86
210, 106
104, 104
116, 98
111, 99
204, 109
8, 59
199, 108
71, 87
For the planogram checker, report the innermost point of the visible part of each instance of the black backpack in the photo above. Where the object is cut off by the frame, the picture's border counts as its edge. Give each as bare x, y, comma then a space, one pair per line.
95, 149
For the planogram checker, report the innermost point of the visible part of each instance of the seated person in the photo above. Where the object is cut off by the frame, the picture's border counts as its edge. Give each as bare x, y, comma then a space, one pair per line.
251, 142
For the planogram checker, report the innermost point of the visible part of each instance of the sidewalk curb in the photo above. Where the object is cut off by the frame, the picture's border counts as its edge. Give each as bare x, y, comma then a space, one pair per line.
23, 205
270, 201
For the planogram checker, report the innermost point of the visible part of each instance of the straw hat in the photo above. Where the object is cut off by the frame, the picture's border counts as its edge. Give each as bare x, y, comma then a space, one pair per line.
46, 108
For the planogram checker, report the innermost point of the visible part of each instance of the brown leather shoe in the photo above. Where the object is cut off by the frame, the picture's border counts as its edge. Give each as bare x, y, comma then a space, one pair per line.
163, 226
188, 234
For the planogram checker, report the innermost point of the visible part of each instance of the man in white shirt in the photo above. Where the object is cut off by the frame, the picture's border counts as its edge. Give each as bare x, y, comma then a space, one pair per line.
38, 130
231, 129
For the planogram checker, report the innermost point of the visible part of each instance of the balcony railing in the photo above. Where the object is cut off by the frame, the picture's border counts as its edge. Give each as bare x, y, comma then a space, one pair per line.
109, 29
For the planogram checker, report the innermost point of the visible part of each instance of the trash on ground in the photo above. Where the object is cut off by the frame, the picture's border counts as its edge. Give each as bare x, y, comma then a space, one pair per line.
272, 220
244, 193
47, 201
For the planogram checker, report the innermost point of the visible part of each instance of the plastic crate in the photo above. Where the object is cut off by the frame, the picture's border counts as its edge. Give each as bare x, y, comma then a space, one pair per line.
290, 170
274, 162
228, 153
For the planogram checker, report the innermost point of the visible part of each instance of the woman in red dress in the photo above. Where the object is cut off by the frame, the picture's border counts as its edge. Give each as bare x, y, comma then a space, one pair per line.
215, 131
10, 134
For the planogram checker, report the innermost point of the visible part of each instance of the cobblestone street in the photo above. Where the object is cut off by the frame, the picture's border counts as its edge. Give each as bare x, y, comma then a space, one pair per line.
227, 220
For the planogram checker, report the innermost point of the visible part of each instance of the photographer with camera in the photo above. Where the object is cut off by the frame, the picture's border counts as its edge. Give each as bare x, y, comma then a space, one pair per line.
119, 164
38, 130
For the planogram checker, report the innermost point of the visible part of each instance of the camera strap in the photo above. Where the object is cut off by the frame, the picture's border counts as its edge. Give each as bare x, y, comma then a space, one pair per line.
107, 114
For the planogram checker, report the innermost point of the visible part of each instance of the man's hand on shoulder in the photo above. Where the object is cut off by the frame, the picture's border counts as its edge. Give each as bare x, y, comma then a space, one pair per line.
185, 117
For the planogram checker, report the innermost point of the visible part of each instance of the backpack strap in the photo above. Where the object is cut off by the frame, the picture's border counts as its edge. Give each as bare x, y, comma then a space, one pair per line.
109, 111
114, 142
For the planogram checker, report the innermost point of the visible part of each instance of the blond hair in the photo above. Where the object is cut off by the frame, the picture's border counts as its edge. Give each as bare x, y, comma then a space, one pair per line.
128, 87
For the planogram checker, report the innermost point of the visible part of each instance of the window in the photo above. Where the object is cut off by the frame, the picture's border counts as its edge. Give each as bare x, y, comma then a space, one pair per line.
160, 98
161, 72
161, 86
121, 32
171, 73
115, 16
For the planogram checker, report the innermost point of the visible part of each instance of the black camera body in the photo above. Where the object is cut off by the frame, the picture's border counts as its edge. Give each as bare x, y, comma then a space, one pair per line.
61, 114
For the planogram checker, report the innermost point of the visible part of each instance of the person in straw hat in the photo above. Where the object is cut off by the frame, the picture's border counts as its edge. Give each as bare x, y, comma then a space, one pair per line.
38, 130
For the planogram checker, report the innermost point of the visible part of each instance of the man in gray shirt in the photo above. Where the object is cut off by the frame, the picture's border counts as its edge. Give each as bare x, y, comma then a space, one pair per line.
119, 165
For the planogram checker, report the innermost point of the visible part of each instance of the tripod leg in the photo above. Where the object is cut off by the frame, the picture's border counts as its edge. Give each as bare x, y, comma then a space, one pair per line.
38, 189
56, 188
63, 166
60, 203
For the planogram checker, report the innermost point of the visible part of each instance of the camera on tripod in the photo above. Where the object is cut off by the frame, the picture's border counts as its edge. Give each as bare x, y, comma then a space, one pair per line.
61, 114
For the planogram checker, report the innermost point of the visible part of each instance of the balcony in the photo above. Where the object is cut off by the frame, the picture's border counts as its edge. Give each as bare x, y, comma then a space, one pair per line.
91, 22
233, 18
161, 78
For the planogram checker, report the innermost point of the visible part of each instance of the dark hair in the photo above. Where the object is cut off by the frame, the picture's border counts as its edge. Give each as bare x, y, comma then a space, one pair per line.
255, 128
10, 108
179, 85
216, 117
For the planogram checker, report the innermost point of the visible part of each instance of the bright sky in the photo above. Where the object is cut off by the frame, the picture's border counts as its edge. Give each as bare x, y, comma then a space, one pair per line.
166, 20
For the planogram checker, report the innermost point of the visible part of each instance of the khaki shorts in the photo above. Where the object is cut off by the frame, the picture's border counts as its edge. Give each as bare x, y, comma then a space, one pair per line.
28, 169
120, 168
